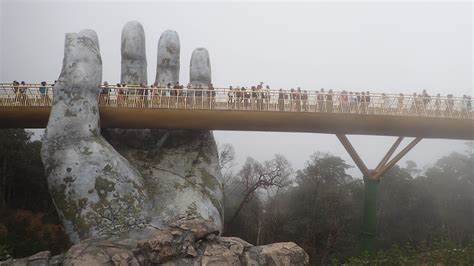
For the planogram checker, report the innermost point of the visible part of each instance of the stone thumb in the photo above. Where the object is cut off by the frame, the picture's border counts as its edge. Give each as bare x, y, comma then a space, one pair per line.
75, 102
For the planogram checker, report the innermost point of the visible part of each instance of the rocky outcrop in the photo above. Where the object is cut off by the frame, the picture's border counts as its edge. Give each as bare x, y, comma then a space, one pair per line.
184, 242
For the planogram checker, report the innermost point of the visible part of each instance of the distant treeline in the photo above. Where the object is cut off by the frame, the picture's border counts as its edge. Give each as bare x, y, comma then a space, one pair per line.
321, 208
28, 220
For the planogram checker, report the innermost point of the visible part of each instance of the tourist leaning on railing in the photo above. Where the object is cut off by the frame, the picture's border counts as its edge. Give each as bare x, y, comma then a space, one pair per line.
43, 93
22, 93
104, 94
15, 85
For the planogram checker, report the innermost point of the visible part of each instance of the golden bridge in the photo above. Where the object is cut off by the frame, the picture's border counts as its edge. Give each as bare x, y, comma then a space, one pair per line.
28, 106
340, 113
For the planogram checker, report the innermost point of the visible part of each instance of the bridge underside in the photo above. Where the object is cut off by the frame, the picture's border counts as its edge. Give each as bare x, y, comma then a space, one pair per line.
313, 122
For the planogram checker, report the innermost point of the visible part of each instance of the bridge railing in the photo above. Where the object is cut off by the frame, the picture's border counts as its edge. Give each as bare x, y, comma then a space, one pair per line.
248, 100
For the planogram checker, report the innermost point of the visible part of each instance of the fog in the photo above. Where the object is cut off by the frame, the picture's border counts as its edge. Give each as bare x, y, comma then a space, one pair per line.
381, 47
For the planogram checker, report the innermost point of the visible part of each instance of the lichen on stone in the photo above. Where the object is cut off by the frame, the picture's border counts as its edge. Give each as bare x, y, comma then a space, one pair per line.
103, 187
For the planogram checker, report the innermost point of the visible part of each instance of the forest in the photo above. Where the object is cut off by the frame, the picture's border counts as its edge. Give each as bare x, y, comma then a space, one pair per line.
423, 216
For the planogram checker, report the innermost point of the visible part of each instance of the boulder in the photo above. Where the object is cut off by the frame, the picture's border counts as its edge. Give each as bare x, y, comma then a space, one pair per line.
186, 241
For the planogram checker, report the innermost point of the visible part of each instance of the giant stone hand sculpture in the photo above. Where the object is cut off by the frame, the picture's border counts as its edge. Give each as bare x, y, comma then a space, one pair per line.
137, 197
146, 178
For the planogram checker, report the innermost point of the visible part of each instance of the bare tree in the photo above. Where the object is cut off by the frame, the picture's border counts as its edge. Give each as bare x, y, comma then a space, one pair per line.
226, 161
255, 175
226, 164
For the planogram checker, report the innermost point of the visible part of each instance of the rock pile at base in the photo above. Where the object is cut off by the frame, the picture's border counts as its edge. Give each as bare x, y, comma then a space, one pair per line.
187, 241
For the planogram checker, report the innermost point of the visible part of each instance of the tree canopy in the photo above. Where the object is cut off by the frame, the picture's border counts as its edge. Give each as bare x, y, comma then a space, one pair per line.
28, 220
322, 209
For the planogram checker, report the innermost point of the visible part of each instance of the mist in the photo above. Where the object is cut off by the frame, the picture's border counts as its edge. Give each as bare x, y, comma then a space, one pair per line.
382, 47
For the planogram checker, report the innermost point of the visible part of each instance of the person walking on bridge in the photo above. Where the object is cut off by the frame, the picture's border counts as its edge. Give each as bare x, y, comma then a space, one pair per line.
15, 85
199, 93
320, 100
413, 107
212, 96
230, 97
292, 99
174, 95
329, 101
189, 96
298, 99
260, 95
267, 96
253, 99
344, 101
304, 99
367, 102
22, 93
246, 95
238, 97
104, 94
43, 93
281, 100
352, 102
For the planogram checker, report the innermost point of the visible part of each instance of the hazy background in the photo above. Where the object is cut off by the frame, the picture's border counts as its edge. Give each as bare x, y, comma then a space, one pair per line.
383, 47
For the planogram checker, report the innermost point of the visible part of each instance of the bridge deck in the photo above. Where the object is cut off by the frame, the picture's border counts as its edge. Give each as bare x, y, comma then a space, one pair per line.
384, 115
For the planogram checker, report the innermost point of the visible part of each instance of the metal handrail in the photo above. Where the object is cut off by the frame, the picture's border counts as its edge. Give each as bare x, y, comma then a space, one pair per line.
135, 96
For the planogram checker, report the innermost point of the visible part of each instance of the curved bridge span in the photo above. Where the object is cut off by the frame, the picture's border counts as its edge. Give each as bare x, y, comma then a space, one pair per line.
266, 110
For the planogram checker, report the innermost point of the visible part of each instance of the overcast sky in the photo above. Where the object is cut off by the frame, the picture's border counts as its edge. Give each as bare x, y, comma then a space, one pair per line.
382, 47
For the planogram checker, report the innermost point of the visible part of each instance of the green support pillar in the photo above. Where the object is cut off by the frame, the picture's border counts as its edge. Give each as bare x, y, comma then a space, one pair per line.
369, 221
371, 181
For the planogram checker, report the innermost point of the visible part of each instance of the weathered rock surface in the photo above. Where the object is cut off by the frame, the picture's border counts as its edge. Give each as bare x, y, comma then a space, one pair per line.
184, 242
180, 168
200, 68
134, 64
167, 66
159, 200
95, 190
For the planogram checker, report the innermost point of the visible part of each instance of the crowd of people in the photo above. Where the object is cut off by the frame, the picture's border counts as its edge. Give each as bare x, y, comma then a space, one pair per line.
260, 97
169, 95
20, 91
347, 102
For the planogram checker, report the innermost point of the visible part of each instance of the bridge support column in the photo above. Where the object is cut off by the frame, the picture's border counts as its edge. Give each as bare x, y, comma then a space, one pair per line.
369, 224
371, 181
